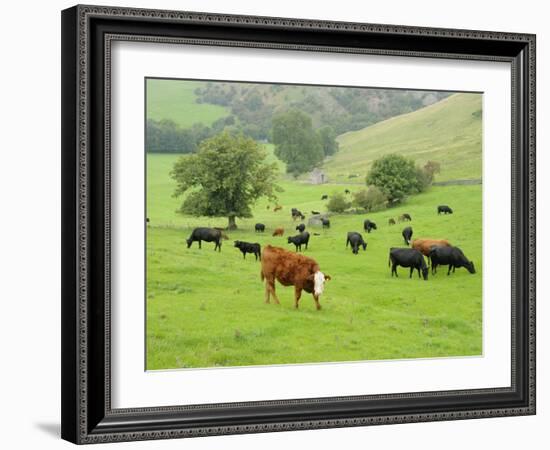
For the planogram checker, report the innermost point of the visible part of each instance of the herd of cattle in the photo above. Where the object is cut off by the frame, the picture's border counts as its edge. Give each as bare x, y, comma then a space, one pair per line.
303, 272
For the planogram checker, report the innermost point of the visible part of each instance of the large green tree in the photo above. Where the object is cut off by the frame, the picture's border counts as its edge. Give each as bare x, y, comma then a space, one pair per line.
296, 143
327, 136
396, 176
224, 178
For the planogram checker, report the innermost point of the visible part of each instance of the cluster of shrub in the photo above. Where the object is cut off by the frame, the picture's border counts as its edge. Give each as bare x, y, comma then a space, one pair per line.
389, 181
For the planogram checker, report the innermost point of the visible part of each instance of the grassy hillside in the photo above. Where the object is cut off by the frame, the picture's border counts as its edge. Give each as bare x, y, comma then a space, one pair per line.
175, 100
449, 132
206, 308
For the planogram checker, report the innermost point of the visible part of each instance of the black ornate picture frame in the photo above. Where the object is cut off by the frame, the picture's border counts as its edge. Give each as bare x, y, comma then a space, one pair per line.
87, 35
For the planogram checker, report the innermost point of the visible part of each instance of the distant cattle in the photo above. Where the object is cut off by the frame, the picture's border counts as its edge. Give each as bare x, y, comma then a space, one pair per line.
267, 207
324, 197
444, 209
391, 222
315, 212
291, 269
299, 240
407, 234
404, 218
247, 247
277, 208
368, 225
451, 256
407, 257
301, 228
147, 220
325, 222
425, 245
259, 227
297, 214
279, 232
355, 240
347, 191
207, 235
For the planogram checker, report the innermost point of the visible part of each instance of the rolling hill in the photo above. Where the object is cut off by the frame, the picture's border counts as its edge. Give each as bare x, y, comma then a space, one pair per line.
175, 100
449, 132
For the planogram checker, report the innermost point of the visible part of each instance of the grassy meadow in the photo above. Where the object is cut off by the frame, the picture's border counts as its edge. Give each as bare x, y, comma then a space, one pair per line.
206, 308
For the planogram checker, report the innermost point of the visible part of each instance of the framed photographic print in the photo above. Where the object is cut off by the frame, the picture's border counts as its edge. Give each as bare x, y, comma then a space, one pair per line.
280, 224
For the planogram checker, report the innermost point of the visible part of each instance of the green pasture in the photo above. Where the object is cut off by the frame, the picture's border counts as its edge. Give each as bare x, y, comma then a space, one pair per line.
176, 101
449, 132
206, 308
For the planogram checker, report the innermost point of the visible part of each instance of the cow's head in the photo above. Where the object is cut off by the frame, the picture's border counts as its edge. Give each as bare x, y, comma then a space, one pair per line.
470, 267
189, 242
425, 273
364, 245
318, 279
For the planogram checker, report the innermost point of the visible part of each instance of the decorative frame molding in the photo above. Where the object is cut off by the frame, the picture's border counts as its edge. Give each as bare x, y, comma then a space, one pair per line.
87, 34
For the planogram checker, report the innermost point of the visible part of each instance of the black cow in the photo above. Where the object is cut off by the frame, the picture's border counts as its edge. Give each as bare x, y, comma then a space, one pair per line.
247, 247
301, 228
404, 218
368, 226
206, 234
451, 256
315, 212
356, 240
299, 239
444, 209
259, 227
407, 234
407, 257
297, 214
347, 191
324, 197
325, 222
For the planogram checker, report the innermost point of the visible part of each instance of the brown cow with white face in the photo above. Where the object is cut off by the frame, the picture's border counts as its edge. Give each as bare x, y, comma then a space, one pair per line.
291, 269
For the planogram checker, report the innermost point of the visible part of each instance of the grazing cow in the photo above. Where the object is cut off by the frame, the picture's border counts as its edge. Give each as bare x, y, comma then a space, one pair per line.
315, 212
267, 207
404, 218
407, 234
444, 209
356, 241
277, 208
407, 257
206, 234
391, 222
325, 222
291, 269
425, 245
279, 231
301, 228
347, 191
368, 226
324, 197
451, 256
299, 239
247, 247
259, 227
297, 214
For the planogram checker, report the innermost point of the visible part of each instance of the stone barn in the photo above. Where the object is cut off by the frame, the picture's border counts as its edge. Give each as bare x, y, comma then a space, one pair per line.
317, 176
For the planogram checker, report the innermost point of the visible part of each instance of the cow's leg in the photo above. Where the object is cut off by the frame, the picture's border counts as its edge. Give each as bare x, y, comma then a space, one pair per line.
411, 272
317, 304
244, 255
394, 270
271, 285
200, 244
449, 271
219, 246
267, 291
297, 295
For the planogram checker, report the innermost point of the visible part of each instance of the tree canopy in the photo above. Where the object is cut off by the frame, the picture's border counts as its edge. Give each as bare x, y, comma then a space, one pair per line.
396, 176
224, 178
